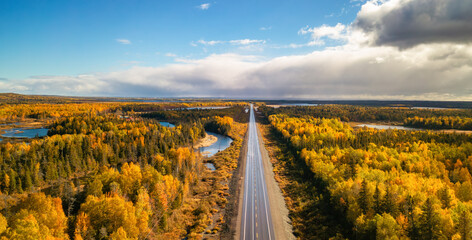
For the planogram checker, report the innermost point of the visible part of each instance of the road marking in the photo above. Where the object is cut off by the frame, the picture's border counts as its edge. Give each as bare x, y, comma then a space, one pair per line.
254, 166
246, 185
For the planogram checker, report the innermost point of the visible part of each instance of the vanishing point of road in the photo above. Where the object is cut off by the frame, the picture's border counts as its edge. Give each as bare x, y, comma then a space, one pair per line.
256, 221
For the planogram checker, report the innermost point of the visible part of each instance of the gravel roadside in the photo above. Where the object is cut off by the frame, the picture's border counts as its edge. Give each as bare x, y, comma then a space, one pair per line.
278, 209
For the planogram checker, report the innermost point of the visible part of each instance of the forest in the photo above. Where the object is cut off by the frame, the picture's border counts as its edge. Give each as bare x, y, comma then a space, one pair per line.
381, 184
353, 113
443, 122
107, 171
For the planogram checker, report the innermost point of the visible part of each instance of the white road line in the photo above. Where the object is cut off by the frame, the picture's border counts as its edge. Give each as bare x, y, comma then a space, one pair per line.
246, 184
254, 161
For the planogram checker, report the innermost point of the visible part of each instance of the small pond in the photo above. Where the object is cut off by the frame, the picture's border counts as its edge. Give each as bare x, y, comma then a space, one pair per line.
167, 124
25, 132
210, 166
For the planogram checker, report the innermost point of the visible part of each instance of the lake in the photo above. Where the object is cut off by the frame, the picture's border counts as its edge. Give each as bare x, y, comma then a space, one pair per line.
434, 108
388, 127
301, 104
294, 105
25, 132
203, 108
221, 144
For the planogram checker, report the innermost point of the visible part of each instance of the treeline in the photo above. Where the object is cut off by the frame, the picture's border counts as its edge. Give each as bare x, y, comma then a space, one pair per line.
221, 125
213, 120
43, 111
349, 113
389, 184
443, 122
197, 114
14, 98
303, 133
176, 106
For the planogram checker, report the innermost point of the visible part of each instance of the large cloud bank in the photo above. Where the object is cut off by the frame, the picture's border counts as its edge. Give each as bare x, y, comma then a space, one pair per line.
406, 23
397, 49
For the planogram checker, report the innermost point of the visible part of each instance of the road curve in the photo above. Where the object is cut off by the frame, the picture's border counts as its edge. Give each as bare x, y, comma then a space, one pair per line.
256, 221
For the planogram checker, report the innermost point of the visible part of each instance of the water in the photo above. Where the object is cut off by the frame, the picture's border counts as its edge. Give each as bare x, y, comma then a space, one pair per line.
25, 132
301, 104
221, 144
295, 105
167, 124
9, 124
203, 108
210, 166
433, 108
388, 127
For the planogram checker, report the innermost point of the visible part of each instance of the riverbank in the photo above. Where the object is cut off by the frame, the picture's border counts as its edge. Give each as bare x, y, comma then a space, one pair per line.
207, 141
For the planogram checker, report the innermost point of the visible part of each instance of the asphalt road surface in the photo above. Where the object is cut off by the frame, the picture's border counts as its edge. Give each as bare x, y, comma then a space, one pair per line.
256, 221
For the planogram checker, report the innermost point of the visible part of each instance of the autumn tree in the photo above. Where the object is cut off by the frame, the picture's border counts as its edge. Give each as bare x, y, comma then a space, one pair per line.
429, 227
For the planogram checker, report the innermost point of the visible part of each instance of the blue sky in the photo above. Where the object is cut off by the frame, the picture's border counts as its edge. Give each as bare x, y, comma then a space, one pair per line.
323, 49
77, 37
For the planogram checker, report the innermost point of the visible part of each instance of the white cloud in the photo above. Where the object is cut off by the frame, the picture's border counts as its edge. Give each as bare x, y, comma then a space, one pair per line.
123, 41
406, 23
265, 28
246, 41
210, 43
171, 55
233, 42
318, 34
204, 6
434, 72
360, 67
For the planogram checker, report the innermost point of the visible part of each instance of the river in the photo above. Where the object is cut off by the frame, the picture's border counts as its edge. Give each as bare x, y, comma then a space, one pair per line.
221, 144
25, 132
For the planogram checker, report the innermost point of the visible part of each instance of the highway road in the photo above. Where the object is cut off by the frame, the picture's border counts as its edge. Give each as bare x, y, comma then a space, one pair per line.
256, 221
